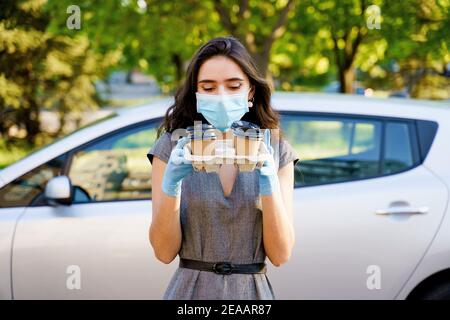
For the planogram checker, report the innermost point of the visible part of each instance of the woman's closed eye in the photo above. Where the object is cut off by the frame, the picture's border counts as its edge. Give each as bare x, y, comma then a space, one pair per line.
231, 88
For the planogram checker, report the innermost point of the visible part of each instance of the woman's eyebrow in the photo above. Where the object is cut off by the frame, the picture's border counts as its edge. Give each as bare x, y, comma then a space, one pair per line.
214, 81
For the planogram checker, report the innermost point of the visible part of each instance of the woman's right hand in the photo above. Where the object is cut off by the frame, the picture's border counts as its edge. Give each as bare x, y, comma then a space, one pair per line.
177, 168
268, 179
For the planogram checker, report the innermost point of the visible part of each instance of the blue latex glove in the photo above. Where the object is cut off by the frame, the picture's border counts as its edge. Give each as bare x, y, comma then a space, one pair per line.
177, 168
268, 178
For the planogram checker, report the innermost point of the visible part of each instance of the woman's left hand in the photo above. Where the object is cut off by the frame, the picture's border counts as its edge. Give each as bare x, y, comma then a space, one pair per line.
268, 178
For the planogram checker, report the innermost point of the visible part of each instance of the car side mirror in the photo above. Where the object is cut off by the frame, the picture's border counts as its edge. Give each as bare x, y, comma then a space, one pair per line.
59, 190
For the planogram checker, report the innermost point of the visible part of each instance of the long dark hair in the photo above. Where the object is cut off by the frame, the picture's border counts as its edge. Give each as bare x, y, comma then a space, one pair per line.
183, 112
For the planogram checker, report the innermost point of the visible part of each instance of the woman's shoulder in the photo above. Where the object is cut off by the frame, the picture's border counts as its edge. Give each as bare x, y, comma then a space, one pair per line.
164, 137
283, 150
278, 139
162, 147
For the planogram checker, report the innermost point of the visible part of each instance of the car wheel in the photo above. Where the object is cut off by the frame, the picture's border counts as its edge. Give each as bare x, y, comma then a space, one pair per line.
438, 292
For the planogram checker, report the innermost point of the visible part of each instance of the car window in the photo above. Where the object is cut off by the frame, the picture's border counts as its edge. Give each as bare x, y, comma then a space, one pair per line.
24, 189
116, 167
398, 154
333, 149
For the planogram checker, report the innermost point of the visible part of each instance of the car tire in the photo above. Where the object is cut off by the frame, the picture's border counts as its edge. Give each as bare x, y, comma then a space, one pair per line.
438, 292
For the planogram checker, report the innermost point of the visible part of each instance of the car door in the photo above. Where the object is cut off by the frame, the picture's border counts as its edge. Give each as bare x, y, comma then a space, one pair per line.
365, 210
15, 196
98, 247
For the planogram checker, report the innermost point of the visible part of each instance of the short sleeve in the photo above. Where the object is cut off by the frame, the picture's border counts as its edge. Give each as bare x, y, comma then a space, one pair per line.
286, 153
162, 148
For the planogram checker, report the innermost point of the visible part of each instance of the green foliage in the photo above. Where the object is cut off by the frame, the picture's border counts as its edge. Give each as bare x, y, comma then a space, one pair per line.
42, 68
299, 44
159, 39
419, 40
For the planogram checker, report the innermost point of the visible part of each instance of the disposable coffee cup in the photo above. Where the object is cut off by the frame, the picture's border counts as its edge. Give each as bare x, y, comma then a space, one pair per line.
199, 129
247, 138
202, 139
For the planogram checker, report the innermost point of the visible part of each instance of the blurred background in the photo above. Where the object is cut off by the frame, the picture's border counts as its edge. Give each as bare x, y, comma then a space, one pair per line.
64, 64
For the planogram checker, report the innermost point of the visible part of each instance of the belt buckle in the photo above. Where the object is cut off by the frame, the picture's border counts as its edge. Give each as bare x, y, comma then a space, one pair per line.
223, 268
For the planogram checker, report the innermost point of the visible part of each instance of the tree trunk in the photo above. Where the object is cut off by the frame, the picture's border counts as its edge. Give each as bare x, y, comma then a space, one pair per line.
261, 52
178, 62
31, 121
62, 120
262, 61
2, 123
346, 79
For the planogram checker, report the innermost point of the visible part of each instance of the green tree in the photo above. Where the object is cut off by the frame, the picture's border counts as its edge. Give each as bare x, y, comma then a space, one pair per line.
39, 68
341, 25
22, 47
358, 34
419, 41
257, 24
160, 36
156, 36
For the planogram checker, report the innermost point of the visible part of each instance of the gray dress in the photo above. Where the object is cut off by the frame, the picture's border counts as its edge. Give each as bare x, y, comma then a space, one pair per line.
217, 228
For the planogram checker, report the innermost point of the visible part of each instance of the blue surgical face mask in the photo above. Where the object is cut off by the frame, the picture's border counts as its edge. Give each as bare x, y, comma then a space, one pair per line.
221, 110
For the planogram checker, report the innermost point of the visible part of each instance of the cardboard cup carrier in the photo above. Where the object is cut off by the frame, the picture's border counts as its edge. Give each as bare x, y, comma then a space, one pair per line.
207, 151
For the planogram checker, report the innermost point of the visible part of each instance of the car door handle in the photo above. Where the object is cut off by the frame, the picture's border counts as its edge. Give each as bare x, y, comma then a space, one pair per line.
402, 209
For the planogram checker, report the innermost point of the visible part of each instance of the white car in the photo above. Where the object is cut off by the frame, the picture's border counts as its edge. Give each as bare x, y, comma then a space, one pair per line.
371, 207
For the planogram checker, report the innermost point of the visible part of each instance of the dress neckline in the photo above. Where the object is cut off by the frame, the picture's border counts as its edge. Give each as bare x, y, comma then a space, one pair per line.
216, 174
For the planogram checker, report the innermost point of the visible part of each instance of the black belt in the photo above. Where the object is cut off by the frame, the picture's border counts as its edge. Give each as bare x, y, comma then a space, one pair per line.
223, 267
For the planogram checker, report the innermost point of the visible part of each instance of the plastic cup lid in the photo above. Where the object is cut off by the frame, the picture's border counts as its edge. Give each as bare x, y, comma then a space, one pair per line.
247, 130
244, 125
250, 135
203, 127
204, 135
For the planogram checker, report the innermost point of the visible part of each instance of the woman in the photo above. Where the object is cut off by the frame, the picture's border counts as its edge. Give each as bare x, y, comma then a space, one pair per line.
222, 225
